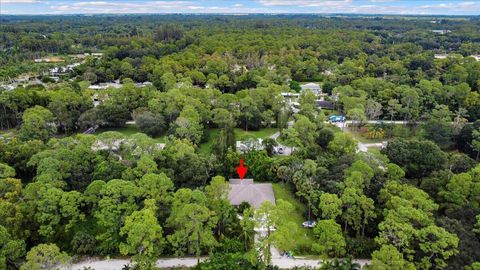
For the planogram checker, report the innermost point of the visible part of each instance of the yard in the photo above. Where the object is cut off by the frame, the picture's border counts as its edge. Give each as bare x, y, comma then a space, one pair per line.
304, 236
129, 130
240, 135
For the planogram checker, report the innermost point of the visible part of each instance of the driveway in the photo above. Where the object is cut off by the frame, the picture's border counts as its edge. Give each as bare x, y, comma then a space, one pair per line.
363, 147
287, 150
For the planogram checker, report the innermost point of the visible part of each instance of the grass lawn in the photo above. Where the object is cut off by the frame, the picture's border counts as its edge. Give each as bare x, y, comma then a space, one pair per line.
129, 130
240, 135
358, 136
304, 236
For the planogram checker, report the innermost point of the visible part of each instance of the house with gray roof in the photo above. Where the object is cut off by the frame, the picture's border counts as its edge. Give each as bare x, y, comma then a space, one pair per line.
313, 87
253, 193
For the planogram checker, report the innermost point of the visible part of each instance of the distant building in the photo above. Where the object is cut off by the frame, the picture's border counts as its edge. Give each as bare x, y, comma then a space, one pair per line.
313, 87
143, 84
324, 104
290, 97
441, 56
327, 72
84, 55
102, 86
441, 31
49, 60
249, 145
247, 191
116, 84
57, 71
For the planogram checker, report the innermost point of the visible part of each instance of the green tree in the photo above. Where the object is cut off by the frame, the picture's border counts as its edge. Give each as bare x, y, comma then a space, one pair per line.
6, 171
330, 206
475, 144
329, 239
144, 236
37, 124
187, 125
217, 200
193, 223
458, 189
417, 158
45, 257
150, 123
247, 222
342, 143
157, 187
306, 130
10, 249
116, 201
437, 245
357, 115
388, 258
58, 211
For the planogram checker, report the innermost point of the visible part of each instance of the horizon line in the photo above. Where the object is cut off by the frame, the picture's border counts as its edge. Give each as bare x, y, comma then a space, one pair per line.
244, 14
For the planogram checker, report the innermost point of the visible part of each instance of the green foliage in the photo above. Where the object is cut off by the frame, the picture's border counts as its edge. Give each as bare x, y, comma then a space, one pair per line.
417, 158
10, 249
37, 124
342, 143
388, 257
45, 256
329, 239
113, 193
144, 236
193, 223
151, 123
6, 171
116, 200
330, 206
219, 261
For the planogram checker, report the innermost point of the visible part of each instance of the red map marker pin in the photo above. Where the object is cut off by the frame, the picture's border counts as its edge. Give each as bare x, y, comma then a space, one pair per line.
241, 170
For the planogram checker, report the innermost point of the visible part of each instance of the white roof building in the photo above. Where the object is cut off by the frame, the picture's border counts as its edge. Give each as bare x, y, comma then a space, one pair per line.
248, 145
441, 56
314, 87
441, 31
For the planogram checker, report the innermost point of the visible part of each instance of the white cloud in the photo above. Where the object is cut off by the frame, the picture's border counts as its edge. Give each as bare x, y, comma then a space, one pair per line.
187, 6
306, 3
124, 7
19, 1
383, 1
246, 6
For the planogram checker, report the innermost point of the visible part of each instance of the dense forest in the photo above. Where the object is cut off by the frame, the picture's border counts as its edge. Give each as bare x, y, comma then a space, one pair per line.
141, 168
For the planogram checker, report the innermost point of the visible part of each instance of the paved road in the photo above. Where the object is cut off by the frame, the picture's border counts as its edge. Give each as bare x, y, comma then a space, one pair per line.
118, 264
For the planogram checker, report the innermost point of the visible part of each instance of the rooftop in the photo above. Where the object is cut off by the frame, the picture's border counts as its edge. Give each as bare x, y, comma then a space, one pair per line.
247, 191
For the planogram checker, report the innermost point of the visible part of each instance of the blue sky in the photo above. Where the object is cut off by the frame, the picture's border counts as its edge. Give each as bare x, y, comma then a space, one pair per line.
444, 7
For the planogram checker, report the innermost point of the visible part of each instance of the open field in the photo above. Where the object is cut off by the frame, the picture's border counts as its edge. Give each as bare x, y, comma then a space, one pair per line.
129, 130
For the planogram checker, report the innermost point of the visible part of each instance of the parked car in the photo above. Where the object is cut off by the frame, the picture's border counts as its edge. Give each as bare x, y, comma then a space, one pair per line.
337, 118
309, 224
